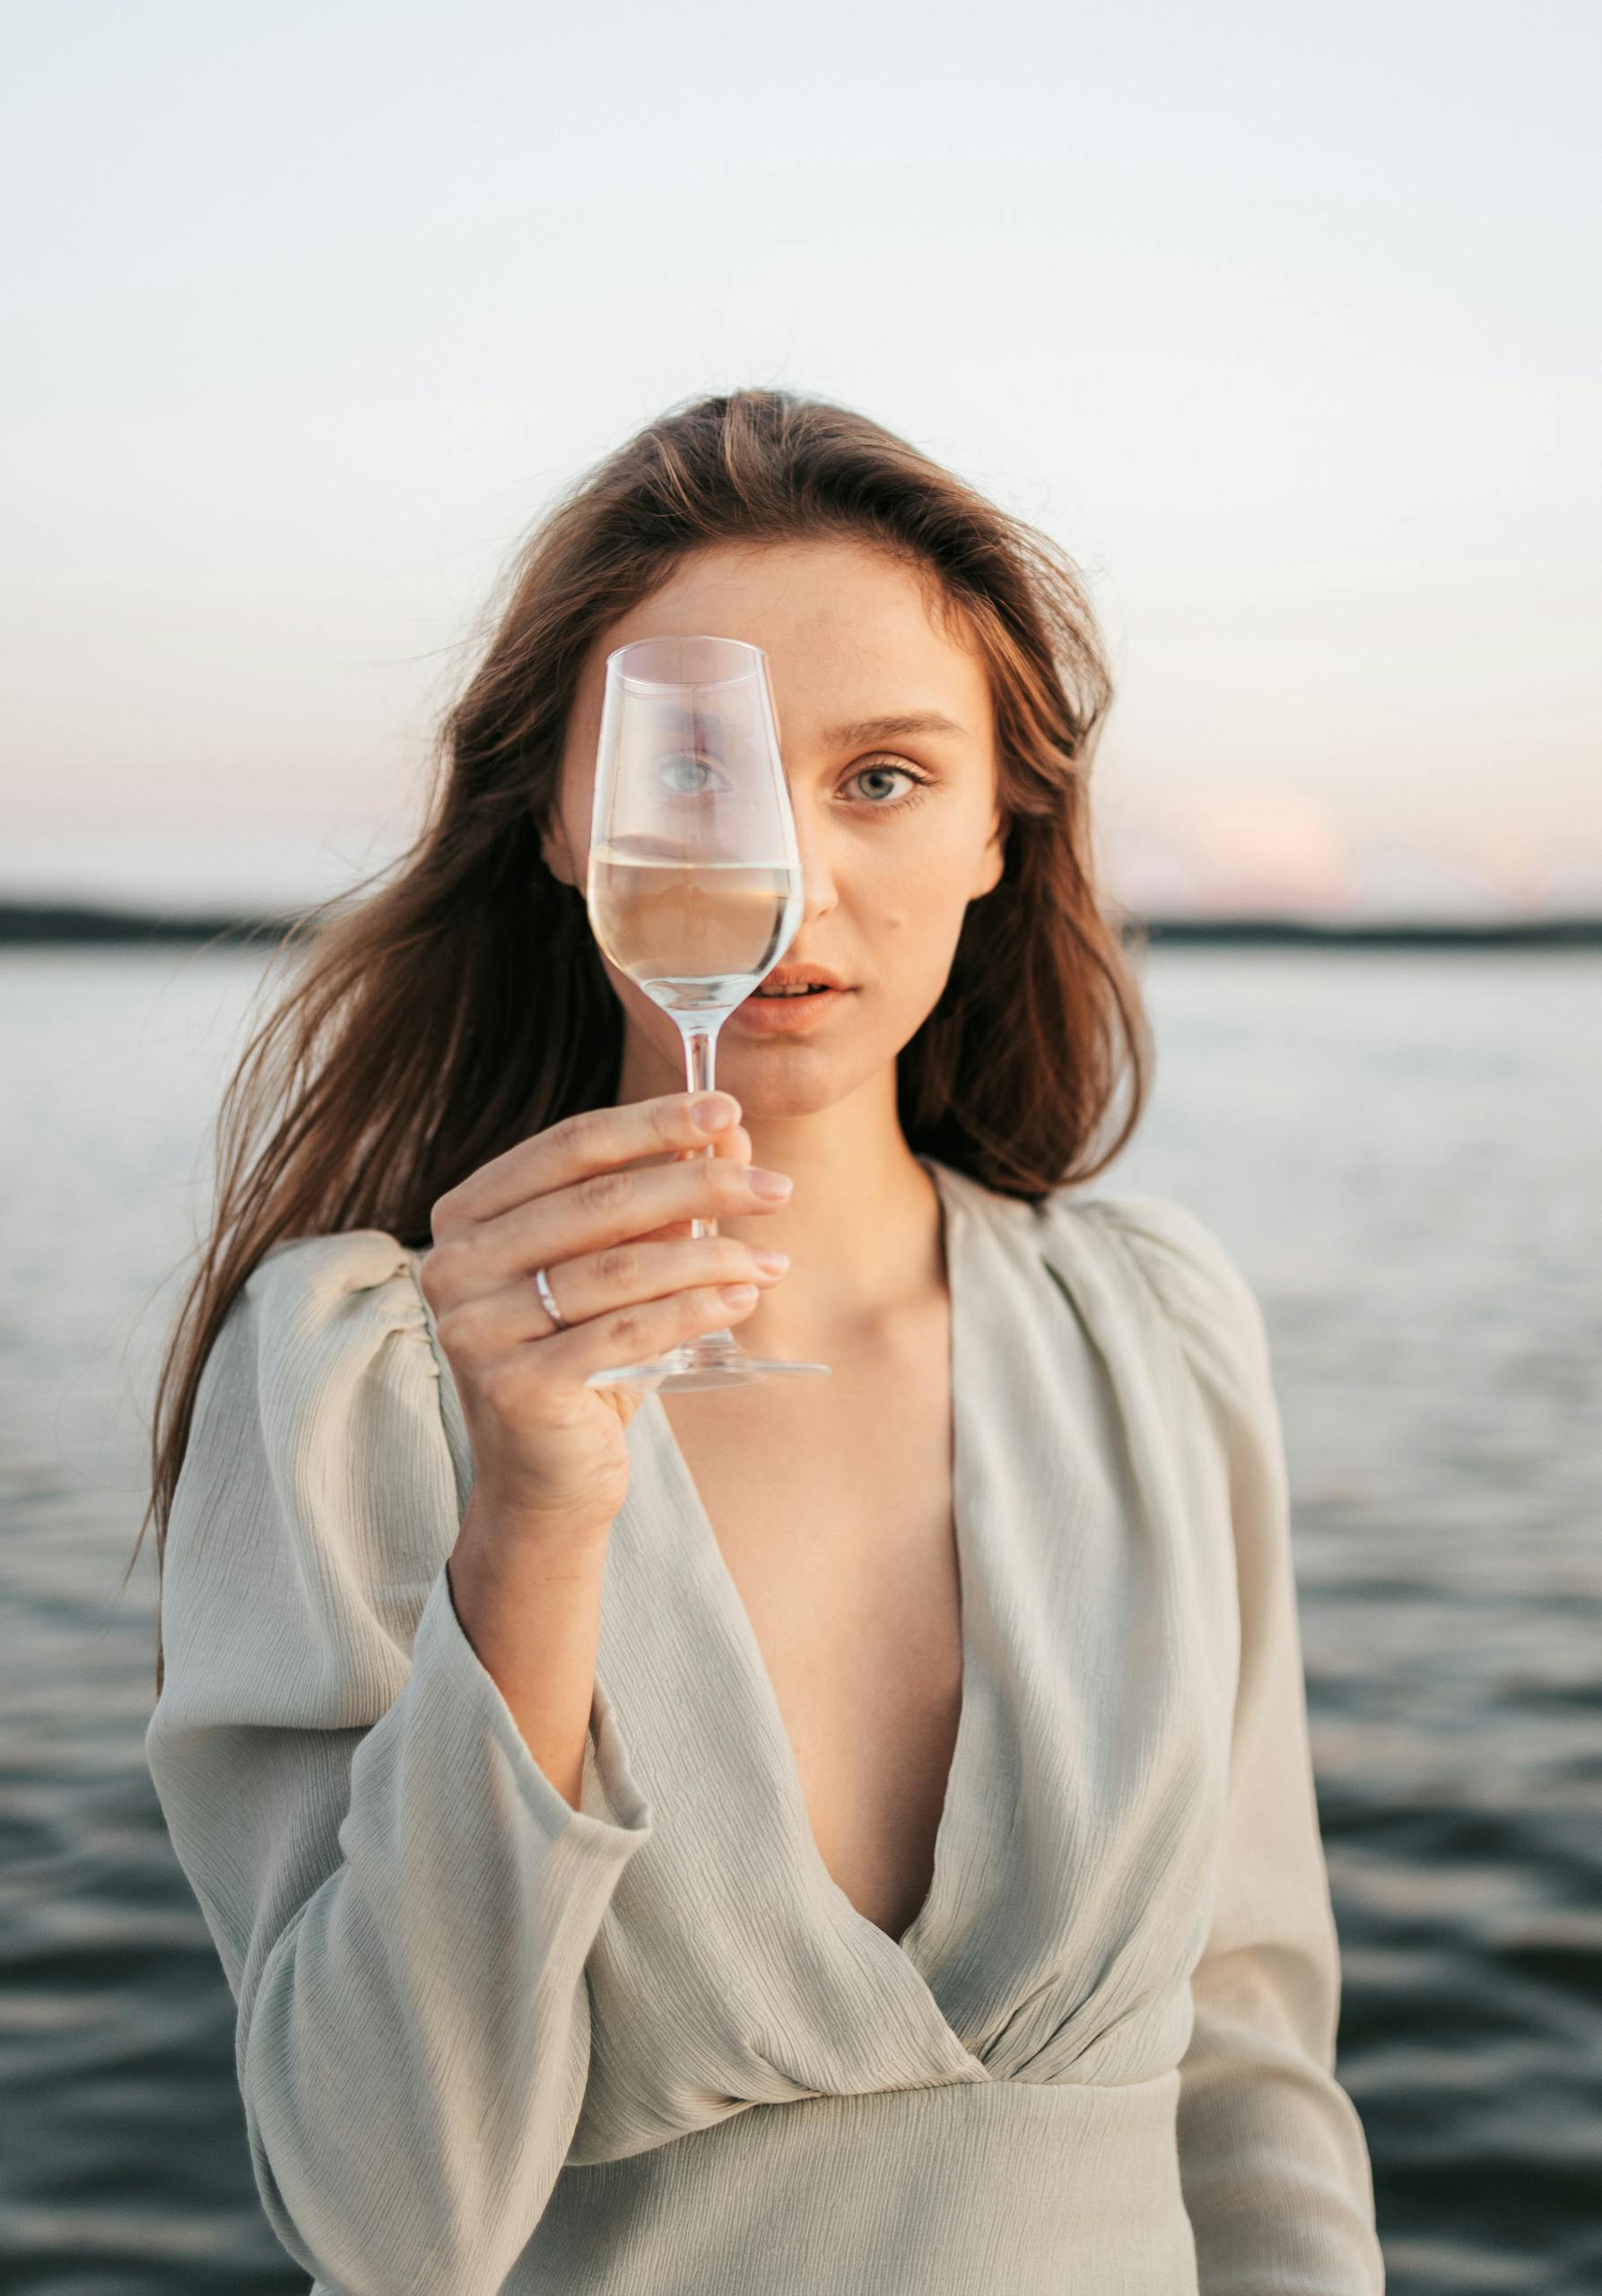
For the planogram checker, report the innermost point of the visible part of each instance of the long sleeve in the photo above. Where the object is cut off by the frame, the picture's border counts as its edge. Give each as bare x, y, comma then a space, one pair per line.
402, 1900
1275, 2166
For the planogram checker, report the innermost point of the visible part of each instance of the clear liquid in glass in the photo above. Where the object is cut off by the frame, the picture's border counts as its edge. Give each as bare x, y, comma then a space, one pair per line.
697, 936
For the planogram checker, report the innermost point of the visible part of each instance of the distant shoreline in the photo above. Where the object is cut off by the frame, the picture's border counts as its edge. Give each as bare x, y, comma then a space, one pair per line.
70, 923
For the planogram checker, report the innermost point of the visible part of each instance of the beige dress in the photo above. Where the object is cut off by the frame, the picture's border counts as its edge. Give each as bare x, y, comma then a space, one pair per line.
648, 2047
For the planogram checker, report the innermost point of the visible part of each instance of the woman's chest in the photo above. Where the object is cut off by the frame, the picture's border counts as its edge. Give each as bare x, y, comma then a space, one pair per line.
744, 1640
832, 1513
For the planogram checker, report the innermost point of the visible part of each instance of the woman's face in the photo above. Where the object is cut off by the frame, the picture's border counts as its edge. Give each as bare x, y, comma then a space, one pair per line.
899, 828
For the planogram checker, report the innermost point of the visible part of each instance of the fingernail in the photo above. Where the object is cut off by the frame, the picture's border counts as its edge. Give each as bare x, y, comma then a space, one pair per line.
737, 1294
772, 1263
712, 1115
773, 1185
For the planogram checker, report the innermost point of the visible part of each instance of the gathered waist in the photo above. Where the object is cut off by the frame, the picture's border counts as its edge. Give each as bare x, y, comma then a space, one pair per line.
955, 2190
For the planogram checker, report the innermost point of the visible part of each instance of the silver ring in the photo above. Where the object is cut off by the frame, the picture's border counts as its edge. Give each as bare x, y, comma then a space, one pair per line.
548, 1299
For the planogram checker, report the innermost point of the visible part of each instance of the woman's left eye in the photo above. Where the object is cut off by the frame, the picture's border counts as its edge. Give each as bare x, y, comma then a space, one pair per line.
689, 776
887, 771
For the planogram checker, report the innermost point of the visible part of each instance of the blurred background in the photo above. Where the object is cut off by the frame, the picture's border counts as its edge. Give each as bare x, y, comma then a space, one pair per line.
1277, 321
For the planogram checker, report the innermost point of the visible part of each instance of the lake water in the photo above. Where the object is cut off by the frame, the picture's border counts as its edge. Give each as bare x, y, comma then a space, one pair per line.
1403, 1151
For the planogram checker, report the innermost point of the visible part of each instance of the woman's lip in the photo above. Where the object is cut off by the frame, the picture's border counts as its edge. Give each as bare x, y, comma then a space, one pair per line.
787, 1011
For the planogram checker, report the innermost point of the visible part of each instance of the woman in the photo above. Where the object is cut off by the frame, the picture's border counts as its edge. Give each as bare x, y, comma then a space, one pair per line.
852, 1834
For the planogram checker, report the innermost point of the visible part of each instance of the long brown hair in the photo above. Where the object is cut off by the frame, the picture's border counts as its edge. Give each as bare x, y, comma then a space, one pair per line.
461, 1004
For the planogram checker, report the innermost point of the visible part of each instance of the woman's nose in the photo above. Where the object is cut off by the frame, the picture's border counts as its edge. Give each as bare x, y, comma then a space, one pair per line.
817, 873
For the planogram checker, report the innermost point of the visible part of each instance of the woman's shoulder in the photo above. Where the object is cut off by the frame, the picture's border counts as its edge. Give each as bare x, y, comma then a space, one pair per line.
1145, 1260
315, 1277
1184, 1259
326, 1330
1180, 1263
315, 1304
321, 1491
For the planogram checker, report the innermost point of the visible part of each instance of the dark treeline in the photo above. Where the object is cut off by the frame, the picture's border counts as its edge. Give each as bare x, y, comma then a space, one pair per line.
55, 924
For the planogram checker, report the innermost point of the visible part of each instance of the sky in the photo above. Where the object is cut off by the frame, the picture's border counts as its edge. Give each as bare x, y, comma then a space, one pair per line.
1281, 322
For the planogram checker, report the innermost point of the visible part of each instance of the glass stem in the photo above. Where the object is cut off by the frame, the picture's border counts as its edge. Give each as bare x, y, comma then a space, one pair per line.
712, 1347
701, 1057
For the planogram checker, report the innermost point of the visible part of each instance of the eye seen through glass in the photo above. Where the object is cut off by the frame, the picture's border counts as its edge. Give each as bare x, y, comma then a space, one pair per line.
690, 776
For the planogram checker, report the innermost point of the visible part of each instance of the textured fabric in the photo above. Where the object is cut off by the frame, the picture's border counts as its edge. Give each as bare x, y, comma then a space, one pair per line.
647, 2047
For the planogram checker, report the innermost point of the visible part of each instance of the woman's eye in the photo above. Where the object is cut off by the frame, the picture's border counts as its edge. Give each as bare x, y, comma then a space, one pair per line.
690, 776
879, 775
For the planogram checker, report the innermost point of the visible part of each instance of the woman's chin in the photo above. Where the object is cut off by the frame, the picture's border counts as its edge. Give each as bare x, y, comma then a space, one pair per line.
778, 1078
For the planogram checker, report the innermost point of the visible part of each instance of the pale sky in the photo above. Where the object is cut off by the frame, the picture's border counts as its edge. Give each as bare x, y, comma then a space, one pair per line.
1283, 321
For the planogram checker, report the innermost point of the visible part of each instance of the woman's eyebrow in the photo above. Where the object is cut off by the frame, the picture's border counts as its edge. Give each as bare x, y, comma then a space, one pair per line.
884, 729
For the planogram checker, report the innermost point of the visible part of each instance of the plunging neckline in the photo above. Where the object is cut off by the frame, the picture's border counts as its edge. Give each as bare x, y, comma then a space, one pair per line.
926, 1932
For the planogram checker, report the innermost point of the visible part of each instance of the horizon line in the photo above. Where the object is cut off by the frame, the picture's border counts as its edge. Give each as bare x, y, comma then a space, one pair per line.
44, 923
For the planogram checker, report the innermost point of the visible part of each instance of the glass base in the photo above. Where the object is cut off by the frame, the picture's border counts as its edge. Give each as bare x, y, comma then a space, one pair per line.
715, 1360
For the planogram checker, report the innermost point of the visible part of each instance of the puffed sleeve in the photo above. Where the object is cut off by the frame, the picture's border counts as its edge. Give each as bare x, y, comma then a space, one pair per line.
1274, 2164
402, 1900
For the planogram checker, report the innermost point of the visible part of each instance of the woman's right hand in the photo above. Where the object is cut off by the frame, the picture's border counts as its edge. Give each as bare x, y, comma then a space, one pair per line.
612, 1235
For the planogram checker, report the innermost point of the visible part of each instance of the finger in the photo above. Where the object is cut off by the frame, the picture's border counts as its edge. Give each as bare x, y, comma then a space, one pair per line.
598, 1284
587, 1142
736, 1146
608, 1207
634, 1334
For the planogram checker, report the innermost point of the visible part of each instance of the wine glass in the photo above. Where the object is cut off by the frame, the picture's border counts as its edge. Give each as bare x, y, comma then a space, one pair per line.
694, 886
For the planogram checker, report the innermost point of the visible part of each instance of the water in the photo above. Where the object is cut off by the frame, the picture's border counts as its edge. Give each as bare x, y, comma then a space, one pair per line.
1401, 1149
